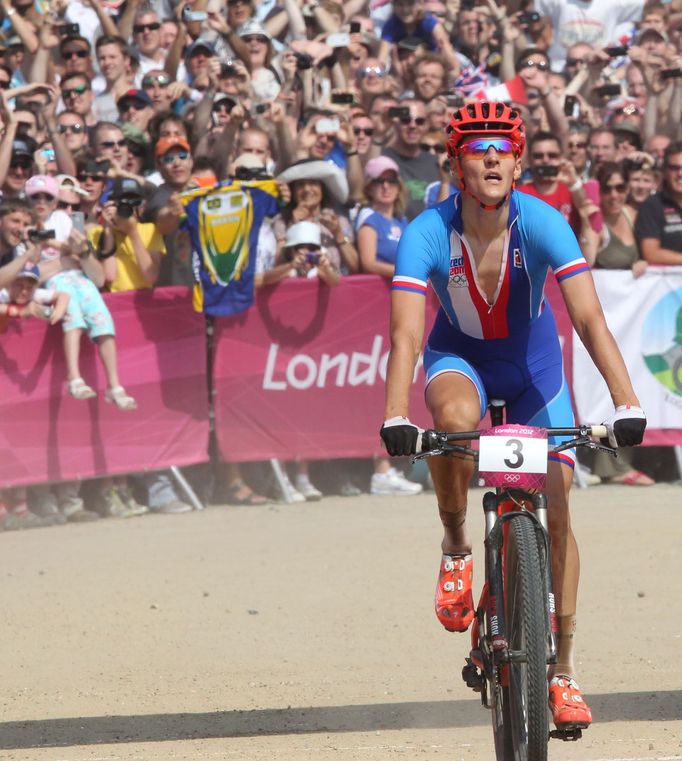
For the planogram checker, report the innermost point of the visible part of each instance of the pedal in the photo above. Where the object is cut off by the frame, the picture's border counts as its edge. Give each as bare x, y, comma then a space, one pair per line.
568, 734
472, 676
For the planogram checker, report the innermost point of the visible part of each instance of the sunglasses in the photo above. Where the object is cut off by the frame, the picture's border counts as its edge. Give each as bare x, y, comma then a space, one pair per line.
580, 145
69, 54
575, 61
169, 158
432, 147
76, 129
160, 79
70, 92
478, 149
420, 121
66, 205
386, 181
619, 187
94, 177
127, 105
377, 71
541, 65
369, 131
222, 106
113, 143
551, 155
140, 28
256, 37
42, 197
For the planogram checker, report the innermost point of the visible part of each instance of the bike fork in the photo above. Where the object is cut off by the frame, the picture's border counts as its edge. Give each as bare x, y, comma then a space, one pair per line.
540, 509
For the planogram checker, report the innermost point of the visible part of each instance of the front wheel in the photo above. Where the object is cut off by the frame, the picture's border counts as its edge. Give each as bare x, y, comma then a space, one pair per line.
525, 697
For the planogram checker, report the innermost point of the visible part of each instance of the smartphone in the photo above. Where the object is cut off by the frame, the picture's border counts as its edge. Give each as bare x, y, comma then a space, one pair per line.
36, 235
355, 27
68, 30
616, 51
399, 112
570, 103
189, 15
327, 126
609, 90
78, 220
342, 98
528, 18
671, 73
338, 40
47, 153
546, 170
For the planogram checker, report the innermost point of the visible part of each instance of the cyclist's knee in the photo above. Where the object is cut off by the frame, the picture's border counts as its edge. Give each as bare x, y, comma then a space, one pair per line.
455, 415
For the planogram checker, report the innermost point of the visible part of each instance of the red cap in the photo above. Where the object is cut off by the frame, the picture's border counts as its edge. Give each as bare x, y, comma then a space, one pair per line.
166, 143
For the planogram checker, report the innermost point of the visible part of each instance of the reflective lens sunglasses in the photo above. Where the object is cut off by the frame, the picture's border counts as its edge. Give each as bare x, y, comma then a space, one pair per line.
79, 90
377, 71
169, 158
140, 28
160, 79
76, 129
478, 149
542, 65
69, 54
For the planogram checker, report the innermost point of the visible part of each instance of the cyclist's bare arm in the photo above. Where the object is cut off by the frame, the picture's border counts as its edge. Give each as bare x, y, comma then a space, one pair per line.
588, 320
407, 332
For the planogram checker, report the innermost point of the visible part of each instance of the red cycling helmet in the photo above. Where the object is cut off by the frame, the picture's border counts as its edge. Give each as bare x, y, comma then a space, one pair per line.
485, 117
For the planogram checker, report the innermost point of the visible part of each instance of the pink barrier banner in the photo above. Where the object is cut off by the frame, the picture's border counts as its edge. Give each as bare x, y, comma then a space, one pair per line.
45, 435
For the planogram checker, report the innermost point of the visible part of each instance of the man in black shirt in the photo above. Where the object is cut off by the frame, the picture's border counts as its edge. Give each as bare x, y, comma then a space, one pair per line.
659, 221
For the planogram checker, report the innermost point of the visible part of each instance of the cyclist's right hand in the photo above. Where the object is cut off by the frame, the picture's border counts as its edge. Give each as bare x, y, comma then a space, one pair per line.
399, 436
626, 426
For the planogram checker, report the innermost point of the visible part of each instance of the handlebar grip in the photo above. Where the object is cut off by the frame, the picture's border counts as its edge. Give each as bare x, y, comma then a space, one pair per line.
600, 432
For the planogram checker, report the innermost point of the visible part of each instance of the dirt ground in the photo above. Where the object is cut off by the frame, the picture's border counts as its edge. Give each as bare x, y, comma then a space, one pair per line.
301, 632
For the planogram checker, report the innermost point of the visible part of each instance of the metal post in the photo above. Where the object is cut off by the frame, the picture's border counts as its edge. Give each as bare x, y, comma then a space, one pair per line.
678, 457
184, 484
281, 479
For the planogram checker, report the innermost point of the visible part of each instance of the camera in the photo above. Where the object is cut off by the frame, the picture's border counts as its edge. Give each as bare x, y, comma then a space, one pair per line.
616, 51
399, 112
260, 108
671, 73
68, 30
227, 68
303, 61
528, 18
251, 174
355, 27
189, 15
342, 98
313, 257
608, 91
35, 235
125, 207
546, 170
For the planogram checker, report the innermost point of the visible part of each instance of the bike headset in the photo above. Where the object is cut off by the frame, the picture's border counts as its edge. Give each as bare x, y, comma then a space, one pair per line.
485, 118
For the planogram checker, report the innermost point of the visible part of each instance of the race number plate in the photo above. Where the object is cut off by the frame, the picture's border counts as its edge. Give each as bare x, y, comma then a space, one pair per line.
513, 456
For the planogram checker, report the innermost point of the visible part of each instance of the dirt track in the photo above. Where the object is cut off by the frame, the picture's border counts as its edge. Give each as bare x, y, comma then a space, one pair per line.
295, 633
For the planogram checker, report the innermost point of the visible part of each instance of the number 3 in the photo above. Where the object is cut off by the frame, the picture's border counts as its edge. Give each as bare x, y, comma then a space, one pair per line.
517, 452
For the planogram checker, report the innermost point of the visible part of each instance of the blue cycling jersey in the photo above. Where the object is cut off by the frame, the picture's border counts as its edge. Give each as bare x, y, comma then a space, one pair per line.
434, 248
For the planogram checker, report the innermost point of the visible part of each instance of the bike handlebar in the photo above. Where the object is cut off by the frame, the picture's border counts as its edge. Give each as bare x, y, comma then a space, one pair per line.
429, 439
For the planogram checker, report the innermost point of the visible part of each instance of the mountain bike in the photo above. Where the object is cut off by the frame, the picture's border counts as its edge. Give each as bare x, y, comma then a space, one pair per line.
513, 635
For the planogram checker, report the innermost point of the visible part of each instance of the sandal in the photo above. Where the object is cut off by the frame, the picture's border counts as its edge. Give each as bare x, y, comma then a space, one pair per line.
241, 494
117, 395
632, 478
79, 389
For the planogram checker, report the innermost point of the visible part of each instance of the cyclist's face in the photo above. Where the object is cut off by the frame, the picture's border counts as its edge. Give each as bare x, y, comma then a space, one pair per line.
490, 178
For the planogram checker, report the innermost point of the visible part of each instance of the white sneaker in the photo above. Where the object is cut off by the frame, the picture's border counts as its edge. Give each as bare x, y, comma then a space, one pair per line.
304, 486
393, 484
289, 493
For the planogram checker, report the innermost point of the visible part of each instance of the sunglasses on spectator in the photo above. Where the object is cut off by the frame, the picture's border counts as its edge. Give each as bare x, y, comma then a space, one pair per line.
21, 163
238, 2
140, 28
551, 155
78, 90
169, 158
619, 187
113, 143
436, 147
478, 149
42, 197
134, 104
377, 71
69, 54
674, 167
94, 177
420, 121
391, 180
224, 105
258, 37
76, 129
158, 79
575, 61
541, 65
66, 205
581, 145
369, 131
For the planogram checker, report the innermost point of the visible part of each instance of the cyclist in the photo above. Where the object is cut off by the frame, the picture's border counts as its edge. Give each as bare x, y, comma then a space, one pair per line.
486, 252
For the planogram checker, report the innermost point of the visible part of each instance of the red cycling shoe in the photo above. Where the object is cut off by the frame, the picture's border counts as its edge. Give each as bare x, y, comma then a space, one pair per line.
568, 708
454, 600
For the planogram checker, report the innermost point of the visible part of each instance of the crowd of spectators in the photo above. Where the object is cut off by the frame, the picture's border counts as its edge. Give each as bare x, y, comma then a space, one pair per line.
110, 109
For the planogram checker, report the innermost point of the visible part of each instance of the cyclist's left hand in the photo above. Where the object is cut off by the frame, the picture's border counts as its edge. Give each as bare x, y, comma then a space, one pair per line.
626, 426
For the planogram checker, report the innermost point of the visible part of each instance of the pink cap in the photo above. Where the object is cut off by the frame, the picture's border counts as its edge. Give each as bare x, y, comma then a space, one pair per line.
376, 167
42, 183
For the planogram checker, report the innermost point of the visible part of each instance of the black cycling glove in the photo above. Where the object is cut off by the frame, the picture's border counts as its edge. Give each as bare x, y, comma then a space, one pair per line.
626, 426
399, 436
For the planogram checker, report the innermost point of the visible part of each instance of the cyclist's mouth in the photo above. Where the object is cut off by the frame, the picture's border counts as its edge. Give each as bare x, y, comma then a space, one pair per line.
492, 176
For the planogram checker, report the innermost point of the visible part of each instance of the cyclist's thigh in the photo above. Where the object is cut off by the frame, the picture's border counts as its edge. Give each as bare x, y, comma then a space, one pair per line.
455, 388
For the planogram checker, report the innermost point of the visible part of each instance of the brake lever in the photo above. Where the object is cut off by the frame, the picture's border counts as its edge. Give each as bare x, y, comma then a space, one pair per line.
424, 455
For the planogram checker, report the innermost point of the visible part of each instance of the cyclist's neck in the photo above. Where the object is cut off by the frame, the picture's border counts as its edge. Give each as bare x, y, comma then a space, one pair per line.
483, 224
